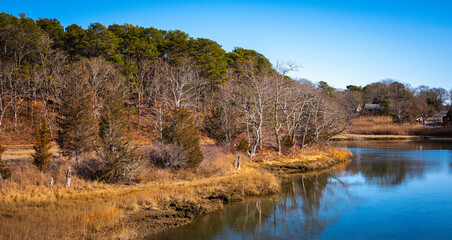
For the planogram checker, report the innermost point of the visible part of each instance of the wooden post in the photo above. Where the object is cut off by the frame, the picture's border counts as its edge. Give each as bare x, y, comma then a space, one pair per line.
51, 181
238, 161
68, 177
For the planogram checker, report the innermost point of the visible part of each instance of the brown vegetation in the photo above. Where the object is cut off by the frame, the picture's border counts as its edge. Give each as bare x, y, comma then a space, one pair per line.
166, 198
380, 125
316, 158
384, 125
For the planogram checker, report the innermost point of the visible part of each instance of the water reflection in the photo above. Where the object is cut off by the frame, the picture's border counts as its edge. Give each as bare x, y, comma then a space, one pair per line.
386, 167
307, 205
387, 185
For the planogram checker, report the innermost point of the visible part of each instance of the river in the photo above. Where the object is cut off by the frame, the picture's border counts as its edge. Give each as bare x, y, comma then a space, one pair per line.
391, 190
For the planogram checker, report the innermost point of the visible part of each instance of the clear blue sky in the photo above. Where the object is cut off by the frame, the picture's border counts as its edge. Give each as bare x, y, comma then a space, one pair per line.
341, 42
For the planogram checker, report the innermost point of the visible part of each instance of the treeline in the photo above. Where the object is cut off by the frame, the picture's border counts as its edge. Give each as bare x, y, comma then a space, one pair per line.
89, 81
402, 102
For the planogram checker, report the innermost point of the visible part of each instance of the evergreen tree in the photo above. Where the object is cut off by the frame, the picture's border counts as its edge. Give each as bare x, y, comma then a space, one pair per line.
42, 156
120, 164
180, 129
77, 124
213, 126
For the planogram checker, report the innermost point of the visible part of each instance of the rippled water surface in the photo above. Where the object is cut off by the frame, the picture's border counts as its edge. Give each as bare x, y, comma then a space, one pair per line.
397, 190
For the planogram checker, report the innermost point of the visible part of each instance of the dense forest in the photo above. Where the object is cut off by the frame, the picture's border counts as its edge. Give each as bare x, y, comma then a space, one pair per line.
92, 86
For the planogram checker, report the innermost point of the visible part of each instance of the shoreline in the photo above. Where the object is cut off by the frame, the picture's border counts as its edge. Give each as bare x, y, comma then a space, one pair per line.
138, 211
372, 137
279, 167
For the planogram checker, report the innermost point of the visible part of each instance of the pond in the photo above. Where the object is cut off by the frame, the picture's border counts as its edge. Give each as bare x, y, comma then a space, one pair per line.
392, 190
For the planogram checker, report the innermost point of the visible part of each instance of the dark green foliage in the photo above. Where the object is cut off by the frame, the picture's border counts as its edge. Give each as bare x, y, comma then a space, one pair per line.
240, 56
42, 156
119, 162
326, 88
287, 141
210, 59
78, 127
354, 88
54, 29
4, 171
135, 42
175, 46
180, 129
243, 146
20, 39
75, 41
102, 43
213, 126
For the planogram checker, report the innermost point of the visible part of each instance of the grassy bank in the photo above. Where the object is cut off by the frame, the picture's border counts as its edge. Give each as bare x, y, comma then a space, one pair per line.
383, 128
30, 209
310, 160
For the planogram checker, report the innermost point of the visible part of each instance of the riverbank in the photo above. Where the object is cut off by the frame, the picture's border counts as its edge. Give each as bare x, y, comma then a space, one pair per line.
174, 198
302, 163
373, 137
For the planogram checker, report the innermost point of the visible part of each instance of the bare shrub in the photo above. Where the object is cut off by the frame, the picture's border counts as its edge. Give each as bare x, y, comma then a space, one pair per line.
90, 168
167, 156
218, 160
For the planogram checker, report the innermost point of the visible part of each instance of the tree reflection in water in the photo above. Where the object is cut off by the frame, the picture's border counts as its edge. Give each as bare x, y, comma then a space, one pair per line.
388, 168
306, 205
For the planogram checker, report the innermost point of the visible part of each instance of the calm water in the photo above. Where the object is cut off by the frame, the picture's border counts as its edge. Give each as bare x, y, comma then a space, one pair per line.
390, 191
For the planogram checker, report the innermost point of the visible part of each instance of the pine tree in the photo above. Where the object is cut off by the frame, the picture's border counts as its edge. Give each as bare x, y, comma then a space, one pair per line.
42, 156
77, 124
213, 126
4, 171
180, 129
120, 164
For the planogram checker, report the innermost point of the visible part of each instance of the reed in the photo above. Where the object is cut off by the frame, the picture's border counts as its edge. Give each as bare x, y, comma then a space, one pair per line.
380, 125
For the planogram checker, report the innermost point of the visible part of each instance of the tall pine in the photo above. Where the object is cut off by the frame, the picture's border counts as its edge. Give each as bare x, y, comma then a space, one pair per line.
120, 164
42, 156
78, 127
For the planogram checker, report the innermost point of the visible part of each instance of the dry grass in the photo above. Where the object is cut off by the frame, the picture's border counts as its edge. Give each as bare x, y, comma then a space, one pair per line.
380, 125
31, 209
311, 159
434, 131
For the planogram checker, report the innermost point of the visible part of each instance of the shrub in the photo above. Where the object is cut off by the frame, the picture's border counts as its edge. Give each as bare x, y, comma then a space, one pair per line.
179, 129
287, 141
167, 156
243, 145
4, 171
42, 156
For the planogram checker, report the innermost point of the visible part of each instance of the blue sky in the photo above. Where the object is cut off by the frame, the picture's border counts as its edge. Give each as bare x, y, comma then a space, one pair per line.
341, 42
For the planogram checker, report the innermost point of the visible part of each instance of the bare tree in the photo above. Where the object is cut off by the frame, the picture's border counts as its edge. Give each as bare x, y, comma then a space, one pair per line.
280, 87
252, 97
182, 80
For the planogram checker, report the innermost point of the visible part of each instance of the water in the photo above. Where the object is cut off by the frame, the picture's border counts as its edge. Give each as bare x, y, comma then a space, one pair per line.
398, 190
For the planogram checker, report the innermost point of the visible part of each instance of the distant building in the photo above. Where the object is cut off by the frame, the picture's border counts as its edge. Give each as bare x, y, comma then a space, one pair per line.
437, 119
371, 107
